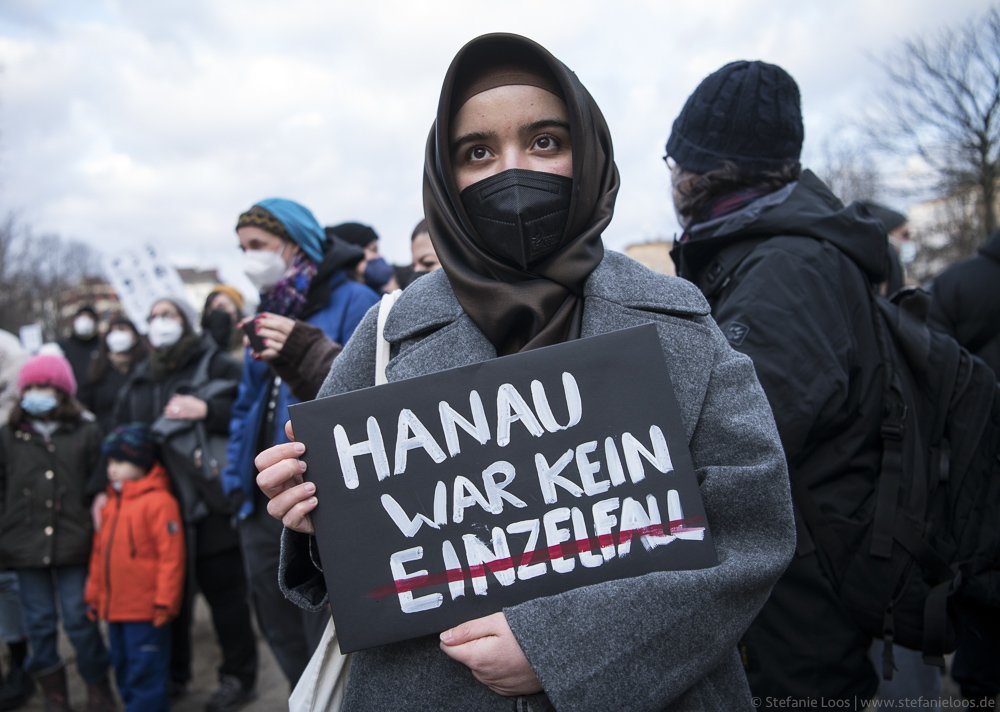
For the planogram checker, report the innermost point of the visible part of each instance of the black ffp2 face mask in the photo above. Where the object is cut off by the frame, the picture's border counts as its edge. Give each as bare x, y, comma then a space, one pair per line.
219, 325
519, 215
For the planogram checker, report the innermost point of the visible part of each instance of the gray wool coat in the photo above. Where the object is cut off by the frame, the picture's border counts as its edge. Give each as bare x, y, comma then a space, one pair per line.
663, 641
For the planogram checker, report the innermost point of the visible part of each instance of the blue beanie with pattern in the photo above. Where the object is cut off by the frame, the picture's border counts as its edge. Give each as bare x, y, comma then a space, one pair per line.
295, 222
131, 443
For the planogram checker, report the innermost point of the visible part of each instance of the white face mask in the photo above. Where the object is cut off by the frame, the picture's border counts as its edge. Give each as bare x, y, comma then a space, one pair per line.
907, 252
83, 326
119, 341
263, 268
164, 331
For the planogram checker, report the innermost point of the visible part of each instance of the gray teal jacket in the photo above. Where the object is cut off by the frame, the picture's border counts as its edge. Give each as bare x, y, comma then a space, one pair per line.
663, 641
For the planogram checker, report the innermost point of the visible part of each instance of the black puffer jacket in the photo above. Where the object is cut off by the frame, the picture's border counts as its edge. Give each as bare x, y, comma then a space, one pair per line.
44, 509
967, 302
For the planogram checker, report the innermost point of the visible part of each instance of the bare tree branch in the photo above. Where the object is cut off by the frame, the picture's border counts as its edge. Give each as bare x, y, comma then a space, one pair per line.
36, 274
941, 101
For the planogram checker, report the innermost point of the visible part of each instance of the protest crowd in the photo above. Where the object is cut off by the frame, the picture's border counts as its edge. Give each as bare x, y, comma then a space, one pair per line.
143, 465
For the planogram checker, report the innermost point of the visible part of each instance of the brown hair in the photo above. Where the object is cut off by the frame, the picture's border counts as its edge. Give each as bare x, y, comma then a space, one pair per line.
420, 229
695, 192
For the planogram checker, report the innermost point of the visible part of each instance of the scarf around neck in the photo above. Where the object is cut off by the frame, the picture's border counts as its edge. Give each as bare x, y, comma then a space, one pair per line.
163, 362
288, 296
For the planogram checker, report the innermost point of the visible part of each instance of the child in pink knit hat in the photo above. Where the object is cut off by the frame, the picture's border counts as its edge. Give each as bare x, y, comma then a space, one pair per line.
49, 449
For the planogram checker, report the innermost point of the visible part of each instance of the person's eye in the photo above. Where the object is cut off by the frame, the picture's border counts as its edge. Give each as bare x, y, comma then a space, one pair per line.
477, 153
547, 142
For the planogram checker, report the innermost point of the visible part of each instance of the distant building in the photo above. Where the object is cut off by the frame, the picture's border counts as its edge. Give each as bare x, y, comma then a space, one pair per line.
93, 291
654, 254
98, 293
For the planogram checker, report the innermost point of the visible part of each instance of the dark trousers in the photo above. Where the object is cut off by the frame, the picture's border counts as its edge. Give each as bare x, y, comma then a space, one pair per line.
140, 654
291, 632
976, 666
804, 645
220, 578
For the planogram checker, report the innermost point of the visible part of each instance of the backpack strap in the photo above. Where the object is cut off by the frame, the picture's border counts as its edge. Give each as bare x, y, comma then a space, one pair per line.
908, 315
200, 377
894, 412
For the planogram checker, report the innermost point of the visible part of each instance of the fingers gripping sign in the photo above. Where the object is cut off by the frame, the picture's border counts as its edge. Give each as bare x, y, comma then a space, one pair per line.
487, 647
291, 499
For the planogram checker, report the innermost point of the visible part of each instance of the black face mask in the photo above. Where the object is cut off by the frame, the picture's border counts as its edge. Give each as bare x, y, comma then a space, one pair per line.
219, 325
519, 215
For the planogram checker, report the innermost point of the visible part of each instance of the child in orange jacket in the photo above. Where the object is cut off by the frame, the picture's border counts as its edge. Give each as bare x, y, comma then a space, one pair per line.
137, 567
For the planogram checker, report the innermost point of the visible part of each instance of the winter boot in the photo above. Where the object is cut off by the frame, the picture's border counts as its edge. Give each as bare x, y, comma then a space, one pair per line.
16, 690
100, 698
54, 692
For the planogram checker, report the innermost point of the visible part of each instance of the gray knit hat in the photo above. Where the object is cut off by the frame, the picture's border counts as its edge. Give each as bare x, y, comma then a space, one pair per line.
748, 113
192, 324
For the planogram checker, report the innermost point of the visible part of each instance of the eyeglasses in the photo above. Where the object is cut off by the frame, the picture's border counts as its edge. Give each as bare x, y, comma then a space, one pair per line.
671, 163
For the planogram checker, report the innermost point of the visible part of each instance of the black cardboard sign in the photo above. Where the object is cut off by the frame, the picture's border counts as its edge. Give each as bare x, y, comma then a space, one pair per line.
450, 496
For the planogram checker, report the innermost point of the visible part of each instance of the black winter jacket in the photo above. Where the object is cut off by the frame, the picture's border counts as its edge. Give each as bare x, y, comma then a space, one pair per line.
790, 279
81, 354
798, 304
44, 509
967, 302
101, 395
143, 397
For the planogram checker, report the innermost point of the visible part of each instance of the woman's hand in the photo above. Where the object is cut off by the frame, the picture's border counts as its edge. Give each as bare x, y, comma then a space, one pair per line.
487, 647
185, 408
280, 479
274, 330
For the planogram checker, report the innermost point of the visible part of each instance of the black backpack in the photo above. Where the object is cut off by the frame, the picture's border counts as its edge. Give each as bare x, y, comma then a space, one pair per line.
932, 543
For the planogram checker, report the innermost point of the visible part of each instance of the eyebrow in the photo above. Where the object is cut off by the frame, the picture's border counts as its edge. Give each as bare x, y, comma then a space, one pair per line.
476, 136
472, 137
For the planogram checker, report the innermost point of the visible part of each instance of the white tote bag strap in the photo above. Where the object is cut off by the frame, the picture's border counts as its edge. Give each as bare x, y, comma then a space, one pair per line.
382, 346
321, 686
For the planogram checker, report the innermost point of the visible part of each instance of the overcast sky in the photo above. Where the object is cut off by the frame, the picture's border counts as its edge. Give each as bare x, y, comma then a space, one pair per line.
126, 121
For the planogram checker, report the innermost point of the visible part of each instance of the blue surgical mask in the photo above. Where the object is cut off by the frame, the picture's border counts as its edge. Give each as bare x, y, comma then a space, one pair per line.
35, 403
378, 272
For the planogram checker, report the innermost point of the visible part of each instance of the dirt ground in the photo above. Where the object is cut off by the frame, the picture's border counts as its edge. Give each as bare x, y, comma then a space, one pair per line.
272, 688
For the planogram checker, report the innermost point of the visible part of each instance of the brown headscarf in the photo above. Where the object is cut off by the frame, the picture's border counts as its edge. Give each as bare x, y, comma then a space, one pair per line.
516, 309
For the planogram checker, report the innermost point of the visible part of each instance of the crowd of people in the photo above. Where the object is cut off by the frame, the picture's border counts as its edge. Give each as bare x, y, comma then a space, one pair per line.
106, 517
122, 528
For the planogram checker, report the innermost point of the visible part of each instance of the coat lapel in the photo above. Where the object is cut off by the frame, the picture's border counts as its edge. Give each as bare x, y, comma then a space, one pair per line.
452, 340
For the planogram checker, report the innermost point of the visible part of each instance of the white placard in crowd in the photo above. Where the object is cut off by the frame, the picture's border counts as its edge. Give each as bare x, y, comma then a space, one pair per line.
31, 337
140, 276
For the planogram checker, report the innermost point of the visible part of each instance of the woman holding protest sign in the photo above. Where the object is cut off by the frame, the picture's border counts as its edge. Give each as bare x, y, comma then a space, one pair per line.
519, 143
